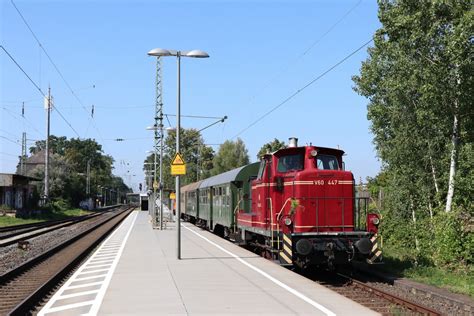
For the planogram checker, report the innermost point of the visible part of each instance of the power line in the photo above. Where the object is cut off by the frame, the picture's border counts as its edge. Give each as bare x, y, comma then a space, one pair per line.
305, 52
58, 71
37, 87
11, 134
10, 140
29, 122
303, 88
24, 72
198, 116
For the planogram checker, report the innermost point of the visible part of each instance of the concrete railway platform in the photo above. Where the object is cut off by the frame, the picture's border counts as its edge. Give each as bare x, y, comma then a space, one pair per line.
135, 271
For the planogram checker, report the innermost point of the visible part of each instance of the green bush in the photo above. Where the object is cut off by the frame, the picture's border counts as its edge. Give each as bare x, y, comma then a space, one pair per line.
453, 241
4, 207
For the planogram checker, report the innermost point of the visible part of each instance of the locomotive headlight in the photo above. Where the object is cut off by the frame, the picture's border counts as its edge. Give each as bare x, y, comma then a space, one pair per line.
314, 153
375, 221
287, 221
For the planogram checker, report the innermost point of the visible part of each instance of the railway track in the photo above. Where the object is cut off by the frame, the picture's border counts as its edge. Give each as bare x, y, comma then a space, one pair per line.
377, 300
9, 237
23, 287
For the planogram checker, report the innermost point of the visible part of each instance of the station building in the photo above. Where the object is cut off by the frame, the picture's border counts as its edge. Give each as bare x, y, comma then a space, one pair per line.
16, 191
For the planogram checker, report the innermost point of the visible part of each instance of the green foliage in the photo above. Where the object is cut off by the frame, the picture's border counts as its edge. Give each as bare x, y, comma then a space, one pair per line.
453, 239
270, 147
57, 209
68, 167
398, 263
198, 158
230, 155
418, 80
4, 207
10, 221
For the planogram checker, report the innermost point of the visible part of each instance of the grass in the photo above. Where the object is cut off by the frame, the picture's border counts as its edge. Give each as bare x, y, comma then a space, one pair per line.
46, 216
457, 281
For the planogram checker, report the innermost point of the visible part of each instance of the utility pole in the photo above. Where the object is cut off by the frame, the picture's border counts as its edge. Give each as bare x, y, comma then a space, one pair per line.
46, 159
88, 178
23, 155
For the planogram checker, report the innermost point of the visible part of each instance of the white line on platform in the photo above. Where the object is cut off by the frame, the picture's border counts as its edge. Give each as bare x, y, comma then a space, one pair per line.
64, 307
73, 287
78, 294
105, 279
277, 282
100, 296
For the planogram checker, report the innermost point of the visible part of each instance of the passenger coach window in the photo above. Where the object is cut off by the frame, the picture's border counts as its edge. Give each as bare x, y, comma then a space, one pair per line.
290, 163
327, 162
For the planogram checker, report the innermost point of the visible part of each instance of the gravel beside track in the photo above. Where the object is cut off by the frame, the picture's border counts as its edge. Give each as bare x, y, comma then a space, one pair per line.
12, 256
45, 274
360, 293
447, 303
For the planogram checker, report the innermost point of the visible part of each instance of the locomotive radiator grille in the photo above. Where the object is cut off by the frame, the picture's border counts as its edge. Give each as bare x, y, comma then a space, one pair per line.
286, 254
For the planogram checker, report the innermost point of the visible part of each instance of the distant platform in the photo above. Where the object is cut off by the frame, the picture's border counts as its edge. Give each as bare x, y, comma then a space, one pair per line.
135, 271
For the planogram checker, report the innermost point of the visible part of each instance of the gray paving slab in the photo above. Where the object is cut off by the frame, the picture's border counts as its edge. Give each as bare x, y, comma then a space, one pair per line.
149, 280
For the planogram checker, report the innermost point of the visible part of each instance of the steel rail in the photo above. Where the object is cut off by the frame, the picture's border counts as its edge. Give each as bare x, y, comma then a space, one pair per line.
43, 229
392, 298
29, 301
36, 224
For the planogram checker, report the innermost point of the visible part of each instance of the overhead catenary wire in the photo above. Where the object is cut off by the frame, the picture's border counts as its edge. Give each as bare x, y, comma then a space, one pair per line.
38, 88
24, 72
7, 132
306, 51
19, 119
302, 88
57, 70
11, 140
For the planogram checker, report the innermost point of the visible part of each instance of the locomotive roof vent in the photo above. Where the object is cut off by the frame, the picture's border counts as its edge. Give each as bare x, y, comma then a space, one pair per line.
292, 142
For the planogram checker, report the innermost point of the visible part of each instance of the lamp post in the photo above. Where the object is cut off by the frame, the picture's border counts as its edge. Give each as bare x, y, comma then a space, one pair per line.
159, 52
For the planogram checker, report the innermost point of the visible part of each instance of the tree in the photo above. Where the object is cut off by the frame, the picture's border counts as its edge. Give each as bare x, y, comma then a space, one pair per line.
418, 79
271, 147
196, 154
68, 163
230, 155
419, 74
56, 145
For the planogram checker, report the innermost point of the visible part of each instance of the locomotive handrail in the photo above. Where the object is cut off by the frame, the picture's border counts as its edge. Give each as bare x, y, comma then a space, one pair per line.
271, 223
282, 208
235, 213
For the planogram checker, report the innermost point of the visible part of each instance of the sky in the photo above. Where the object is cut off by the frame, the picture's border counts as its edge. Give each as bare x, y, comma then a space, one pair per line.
261, 53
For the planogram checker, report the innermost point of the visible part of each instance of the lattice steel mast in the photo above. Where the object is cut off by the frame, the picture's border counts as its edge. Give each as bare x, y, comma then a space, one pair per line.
159, 137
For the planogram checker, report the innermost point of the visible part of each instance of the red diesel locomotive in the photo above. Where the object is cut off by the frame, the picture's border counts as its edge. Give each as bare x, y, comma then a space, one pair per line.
299, 208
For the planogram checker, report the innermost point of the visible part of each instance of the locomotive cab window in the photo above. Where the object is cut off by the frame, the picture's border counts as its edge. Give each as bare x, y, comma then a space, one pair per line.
327, 162
290, 163
263, 163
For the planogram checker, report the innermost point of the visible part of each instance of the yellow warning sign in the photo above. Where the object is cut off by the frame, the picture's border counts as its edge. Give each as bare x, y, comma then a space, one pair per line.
173, 196
178, 160
178, 166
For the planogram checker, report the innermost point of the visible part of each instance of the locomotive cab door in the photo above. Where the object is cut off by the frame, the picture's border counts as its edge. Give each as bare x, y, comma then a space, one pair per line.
261, 194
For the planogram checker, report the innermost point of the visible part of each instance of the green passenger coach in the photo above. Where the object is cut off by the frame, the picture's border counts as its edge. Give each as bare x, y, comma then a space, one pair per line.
218, 198
189, 199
